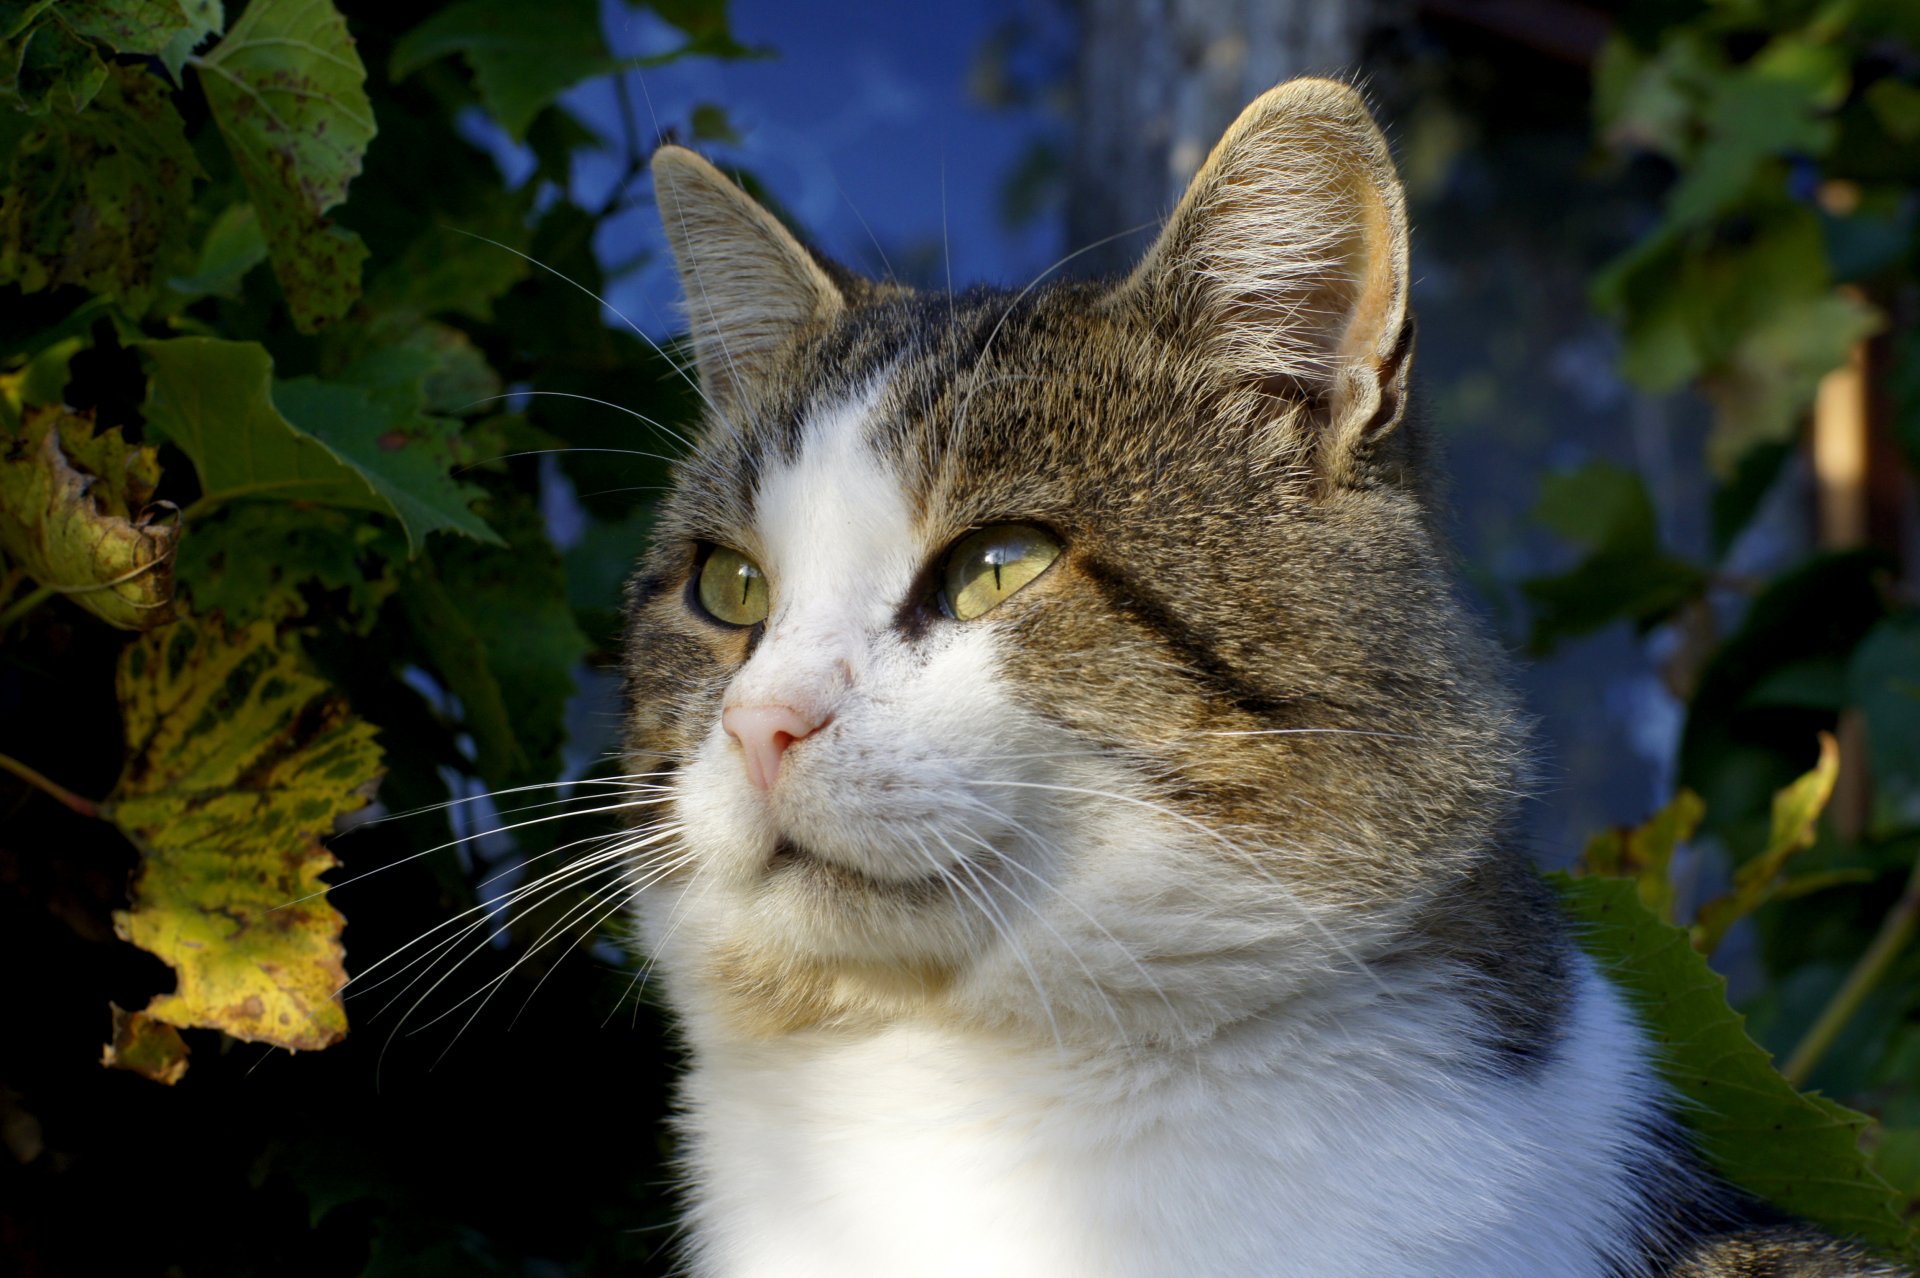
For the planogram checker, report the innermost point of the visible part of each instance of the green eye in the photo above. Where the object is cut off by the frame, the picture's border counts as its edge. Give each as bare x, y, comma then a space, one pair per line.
732, 588
985, 567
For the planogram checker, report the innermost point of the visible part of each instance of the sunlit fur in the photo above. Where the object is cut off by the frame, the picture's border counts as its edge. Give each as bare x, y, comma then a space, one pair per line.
1167, 918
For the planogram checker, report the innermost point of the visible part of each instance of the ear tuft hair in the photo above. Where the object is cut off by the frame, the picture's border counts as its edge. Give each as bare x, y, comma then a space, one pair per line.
749, 286
1287, 257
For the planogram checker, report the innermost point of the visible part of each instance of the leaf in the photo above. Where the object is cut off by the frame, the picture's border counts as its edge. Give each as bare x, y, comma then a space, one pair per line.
101, 199
497, 630
75, 512
363, 444
43, 65
1883, 680
710, 123
287, 90
166, 29
267, 561
1799, 1151
145, 1046
1626, 573
373, 419
238, 761
518, 66
1774, 105
215, 400
234, 246
1645, 853
1795, 810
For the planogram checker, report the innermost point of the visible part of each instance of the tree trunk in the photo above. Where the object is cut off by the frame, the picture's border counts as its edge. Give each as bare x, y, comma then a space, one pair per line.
1157, 81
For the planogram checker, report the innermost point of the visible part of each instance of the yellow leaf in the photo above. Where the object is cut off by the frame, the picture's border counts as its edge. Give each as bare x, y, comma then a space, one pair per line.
1796, 810
75, 513
1645, 853
238, 762
144, 1046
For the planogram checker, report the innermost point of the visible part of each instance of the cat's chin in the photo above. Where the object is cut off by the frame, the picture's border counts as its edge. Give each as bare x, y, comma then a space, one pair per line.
831, 874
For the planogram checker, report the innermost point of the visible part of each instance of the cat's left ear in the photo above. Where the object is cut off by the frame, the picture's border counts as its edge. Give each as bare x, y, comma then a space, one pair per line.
750, 287
1286, 260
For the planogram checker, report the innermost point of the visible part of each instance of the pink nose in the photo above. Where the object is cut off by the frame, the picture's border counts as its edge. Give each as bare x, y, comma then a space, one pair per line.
764, 733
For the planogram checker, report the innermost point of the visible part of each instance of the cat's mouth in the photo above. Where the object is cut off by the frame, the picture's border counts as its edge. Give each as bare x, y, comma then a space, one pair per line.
790, 858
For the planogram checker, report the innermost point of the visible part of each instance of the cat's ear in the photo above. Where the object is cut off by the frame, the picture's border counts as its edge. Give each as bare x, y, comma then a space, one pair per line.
750, 287
1287, 258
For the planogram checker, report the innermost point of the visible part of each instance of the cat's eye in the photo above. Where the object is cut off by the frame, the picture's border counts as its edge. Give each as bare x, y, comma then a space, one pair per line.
987, 566
732, 588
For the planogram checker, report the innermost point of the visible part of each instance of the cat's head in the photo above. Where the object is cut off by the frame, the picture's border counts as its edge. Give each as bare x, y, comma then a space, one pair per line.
1073, 658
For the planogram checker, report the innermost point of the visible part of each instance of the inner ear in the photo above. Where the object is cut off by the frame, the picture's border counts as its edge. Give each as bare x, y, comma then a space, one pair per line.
1286, 260
750, 288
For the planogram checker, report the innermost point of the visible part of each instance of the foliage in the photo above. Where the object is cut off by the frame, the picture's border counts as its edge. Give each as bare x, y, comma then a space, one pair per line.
258, 306
1782, 138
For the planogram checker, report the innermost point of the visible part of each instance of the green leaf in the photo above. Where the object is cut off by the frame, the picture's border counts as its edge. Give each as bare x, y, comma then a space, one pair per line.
286, 88
362, 443
711, 124
1774, 105
260, 561
598, 566
238, 761
44, 66
1795, 810
496, 628
214, 399
1884, 682
1897, 106
1798, 1151
518, 66
234, 245
706, 26
101, 199
1626, 573
166, 29
373, 418
75, 513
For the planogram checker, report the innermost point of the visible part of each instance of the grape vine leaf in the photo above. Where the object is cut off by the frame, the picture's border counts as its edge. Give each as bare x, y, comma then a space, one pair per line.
165, 29
288, 92
373, 418
1626, 572
215, 400
101, 198
238, 760
363, 444
1796, 808
233, 246
270, 561
1797, 1150
76, 513
518, 66
43, 64
145, 1046
496, 627
1645, 853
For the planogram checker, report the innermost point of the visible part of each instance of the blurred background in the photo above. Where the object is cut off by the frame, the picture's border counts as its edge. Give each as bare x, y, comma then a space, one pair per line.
1665, 277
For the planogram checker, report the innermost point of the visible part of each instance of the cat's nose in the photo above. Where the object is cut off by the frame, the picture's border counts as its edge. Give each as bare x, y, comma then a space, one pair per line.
765, 732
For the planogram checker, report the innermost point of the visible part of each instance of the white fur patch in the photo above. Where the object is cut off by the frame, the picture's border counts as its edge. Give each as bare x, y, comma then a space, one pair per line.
1269, 1152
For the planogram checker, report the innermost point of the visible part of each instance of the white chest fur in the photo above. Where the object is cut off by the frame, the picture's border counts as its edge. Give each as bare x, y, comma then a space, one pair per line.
924, 1152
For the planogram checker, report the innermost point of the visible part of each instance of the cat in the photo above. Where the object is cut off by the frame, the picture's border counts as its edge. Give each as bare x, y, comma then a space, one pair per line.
1087, 838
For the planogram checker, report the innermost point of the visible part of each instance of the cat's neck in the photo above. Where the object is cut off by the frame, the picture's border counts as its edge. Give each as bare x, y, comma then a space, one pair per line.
1355, 1119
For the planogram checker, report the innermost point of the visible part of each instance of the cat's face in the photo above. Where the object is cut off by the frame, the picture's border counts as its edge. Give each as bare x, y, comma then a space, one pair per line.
1060, 658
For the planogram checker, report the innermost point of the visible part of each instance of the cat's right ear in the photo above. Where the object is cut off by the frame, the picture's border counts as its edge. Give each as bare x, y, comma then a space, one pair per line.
1285, 265
750, 287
